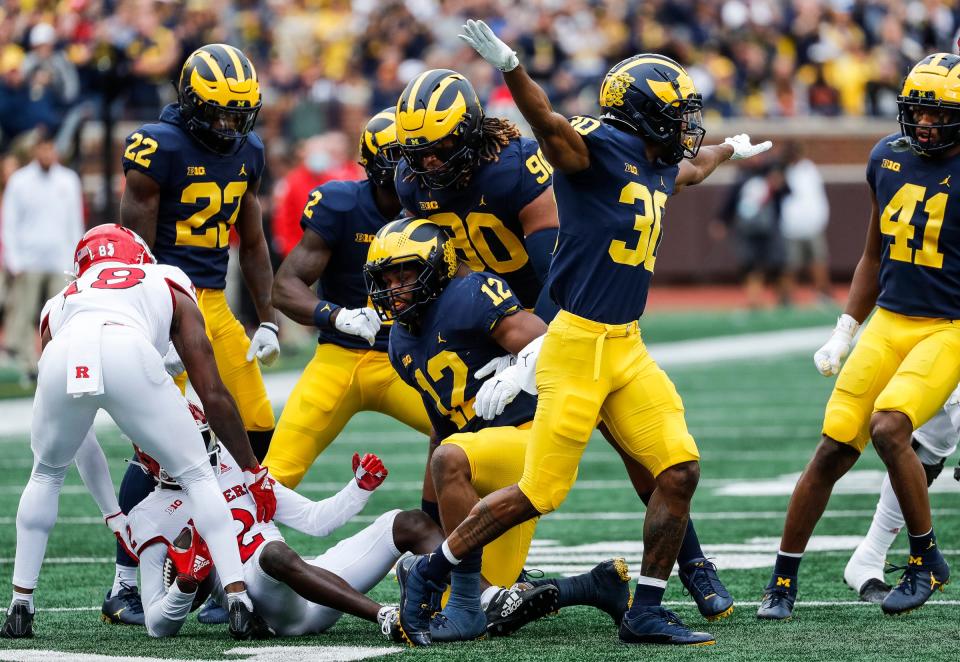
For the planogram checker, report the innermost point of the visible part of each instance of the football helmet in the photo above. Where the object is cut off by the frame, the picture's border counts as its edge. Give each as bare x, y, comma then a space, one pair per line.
653, 97
439, 115
413, 243
110, 243
152, 467
219, 97
379, 149
931, 92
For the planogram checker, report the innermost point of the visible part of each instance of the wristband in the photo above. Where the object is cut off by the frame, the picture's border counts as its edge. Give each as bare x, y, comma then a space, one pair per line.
322, 313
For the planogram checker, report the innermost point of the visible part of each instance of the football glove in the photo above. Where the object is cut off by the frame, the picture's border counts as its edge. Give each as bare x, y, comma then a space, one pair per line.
481, 38
361, 322
829, 357
193, 563
369, 471
118, 524
742, 149
172, 362
503, 387
495, 366
265, 344
260, 485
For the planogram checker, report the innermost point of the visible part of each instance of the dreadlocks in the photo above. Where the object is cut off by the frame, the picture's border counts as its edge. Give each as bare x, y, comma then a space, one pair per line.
496, 134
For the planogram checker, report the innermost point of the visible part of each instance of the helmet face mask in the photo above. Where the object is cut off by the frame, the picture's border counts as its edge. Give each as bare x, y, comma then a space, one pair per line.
929, 105
440, 127
379, 149
219, 97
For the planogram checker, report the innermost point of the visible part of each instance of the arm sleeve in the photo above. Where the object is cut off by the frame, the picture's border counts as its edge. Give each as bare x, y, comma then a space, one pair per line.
164, 610
319, 518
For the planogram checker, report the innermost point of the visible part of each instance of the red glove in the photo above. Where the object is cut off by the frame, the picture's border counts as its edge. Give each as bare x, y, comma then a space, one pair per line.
369, 472
194, 563
260, 485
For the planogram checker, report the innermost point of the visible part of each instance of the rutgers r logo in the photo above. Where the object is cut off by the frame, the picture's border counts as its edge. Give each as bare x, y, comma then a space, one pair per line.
83, 372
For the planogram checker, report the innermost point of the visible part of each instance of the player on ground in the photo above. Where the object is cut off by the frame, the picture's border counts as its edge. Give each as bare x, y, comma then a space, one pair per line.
492, 191
934, 442
612, 181
349, 371
190, 178
103, 340
450, 322
907, 360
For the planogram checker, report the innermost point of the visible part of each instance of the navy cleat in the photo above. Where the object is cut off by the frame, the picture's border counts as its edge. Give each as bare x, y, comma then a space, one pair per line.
514, 607
124, 608
245, 624
874, 590
211, 613
778, 599
419, 600
612, 581
700, 580
19, 623
656, 625
921, 577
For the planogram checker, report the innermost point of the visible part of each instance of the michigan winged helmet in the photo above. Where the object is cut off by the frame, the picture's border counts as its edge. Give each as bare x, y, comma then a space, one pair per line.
931, 93
379, 150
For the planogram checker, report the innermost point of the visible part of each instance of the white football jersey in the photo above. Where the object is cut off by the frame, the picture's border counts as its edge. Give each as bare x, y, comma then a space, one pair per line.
164, 513
138, 296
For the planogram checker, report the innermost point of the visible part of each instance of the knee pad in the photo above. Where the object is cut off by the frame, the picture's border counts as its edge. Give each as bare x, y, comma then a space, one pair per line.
932, 465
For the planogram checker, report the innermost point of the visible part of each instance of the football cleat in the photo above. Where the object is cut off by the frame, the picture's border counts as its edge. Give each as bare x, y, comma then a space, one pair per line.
211, 613
778, 599
700, 580
514, 607
419, 600
245, 624
612, 581
19, 623
656, 625
124, 608
921, 577
874, 590
446, 629
388, 618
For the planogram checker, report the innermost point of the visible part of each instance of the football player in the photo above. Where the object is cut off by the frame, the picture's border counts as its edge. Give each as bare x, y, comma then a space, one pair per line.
934, 442
450, 322
492, 191
123, 310
295, 596
907, 360
190, 178
349, 371
612, 180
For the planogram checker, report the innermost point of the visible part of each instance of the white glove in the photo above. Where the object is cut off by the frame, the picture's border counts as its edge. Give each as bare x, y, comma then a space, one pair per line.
265, 344
828, 358
495, 366
361, 322
172, 362
742, 149
501, 389
481, 38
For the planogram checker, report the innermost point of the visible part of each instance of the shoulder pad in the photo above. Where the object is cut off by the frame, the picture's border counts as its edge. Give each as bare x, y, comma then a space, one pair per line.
339, 195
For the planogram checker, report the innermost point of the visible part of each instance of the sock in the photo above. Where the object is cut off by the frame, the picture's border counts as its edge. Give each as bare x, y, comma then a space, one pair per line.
260, 442
576, 590
649, 592
125, 574
134, 488
464, 591
23, 597
431, 508
924, 545
240, 596
439, 563
785, 570
690, 547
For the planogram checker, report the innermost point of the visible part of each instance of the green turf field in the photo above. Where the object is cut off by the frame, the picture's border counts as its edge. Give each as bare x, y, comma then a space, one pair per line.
756, 424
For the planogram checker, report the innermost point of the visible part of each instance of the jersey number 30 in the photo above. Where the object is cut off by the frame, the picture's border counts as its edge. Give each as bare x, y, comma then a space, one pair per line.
647, 224
902, 205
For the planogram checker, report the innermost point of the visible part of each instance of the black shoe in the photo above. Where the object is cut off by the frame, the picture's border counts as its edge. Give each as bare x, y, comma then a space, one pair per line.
656, 625
124, 608
512, 608
245, 624
874, 590
612, 581
700, 580
921, 577
778, 599
19, 623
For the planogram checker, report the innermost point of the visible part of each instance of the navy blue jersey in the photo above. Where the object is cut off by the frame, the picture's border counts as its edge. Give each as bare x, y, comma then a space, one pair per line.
200, 194
454, 342
482, 218
346, 216
920, 231
610, 217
